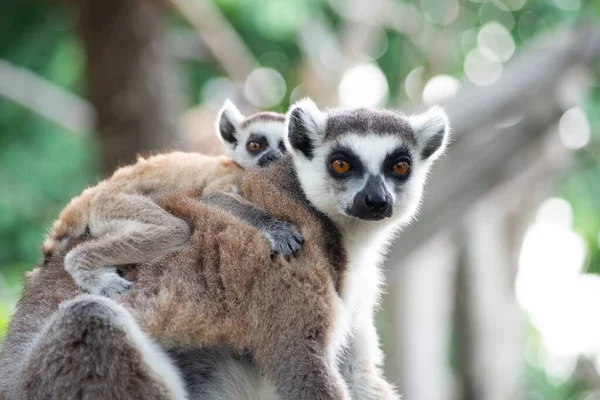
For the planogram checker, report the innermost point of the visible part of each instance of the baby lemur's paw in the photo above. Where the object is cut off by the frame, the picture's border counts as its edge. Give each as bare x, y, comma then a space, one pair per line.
113, 285
103, 281
284, 237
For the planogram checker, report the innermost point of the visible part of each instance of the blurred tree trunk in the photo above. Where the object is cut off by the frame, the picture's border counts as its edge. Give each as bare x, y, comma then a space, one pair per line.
130, 78
489, 322
488, 319
419, 295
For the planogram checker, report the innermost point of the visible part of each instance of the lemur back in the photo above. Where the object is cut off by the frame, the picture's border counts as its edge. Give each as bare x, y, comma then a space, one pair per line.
122, 221
218, 288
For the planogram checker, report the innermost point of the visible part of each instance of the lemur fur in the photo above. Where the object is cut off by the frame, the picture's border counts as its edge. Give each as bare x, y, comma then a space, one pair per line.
125, 224
305, 319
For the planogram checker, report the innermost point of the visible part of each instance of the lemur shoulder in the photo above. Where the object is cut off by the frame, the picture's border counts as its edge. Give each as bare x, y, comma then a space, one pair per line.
352, 180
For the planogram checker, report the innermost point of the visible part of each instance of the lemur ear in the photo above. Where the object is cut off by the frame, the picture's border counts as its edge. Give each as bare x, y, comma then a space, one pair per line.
432, 131
229, 120
305, 127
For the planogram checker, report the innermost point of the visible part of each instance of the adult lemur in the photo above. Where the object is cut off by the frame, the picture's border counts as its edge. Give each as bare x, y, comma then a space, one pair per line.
352, 180
127, 226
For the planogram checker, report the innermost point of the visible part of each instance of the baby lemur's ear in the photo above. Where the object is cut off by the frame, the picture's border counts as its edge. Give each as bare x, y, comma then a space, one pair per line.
229, 121
432, 131
305, 127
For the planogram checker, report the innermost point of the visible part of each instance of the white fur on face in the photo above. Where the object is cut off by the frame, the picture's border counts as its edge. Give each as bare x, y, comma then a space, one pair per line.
333, 197
322, 190
272, 131
428, 124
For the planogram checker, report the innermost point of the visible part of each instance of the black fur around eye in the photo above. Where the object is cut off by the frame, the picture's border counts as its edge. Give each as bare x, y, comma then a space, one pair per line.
351, 164
256, 143
398, 165
282, 148
401, 168
253, 146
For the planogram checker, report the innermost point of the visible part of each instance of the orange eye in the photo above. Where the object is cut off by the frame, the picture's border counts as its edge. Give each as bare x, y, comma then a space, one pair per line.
401, 168
254, 146
340, 166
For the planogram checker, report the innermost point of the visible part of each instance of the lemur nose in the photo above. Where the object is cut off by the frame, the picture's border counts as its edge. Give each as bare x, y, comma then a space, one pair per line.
376, 202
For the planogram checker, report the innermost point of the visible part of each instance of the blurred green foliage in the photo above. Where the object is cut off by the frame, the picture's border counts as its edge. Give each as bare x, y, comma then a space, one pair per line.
42, 165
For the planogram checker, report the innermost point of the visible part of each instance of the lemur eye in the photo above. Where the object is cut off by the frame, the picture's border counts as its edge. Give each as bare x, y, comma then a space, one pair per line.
340, 166
401, 168
253, 146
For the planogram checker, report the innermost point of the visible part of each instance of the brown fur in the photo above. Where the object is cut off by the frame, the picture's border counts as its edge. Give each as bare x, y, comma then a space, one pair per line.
223, 289
125, 224
153, 176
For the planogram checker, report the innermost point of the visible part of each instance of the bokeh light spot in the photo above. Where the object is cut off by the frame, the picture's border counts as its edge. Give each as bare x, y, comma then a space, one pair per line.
482, 67
216, 90
440, 88
496, 38
363, 85
568, 5
511, 5
297, 93
440, 12
574, 129
552, 289
492, 11
556, 211
264, 87
413, 84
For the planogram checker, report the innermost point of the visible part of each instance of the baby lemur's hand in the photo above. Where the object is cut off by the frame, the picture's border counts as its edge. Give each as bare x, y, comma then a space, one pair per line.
103, 281
283, 236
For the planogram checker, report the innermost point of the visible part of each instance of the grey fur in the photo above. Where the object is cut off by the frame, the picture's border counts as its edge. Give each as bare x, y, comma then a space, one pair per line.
284, 237
365, 121
305, 372
134, 229
91, 349
129, 228
262, 117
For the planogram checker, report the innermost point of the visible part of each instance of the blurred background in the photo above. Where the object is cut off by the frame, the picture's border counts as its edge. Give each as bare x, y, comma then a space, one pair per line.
492, 294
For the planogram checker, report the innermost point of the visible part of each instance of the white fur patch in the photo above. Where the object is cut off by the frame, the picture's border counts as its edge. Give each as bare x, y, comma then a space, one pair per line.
235, 380
428, 124
272, 130
313, 119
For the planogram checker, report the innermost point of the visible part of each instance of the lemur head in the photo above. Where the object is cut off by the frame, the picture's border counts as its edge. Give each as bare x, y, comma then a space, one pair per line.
253, 141
363, 164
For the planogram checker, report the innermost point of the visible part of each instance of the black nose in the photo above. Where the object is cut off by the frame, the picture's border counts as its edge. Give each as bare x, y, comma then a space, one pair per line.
373, 202
269, 158
376, 202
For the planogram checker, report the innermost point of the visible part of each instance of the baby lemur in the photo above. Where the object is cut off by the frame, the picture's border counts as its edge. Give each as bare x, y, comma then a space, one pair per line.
127, 226
353, 179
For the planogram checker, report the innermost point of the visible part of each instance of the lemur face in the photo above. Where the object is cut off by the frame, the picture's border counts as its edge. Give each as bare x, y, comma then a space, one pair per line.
364, 164
252, 141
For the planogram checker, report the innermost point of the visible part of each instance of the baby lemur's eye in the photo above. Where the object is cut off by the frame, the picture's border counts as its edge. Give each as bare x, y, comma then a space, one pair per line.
253, 146
340, 166
401, 167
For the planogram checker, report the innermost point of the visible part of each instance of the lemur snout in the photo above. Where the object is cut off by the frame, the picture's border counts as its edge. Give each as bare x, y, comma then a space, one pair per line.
373, 202
269, 157
376, 202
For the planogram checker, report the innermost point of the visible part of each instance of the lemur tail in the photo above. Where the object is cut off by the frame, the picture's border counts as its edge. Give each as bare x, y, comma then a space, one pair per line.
92, 349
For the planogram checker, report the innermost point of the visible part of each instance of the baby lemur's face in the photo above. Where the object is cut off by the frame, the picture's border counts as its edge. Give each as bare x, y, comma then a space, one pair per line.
253, 141
364, 164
